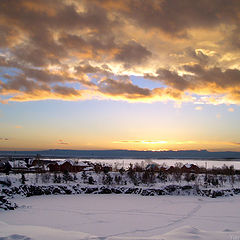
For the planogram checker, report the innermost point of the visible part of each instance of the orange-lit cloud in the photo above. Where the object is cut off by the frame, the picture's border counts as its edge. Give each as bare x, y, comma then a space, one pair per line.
154, 142
3, 139
75, 50
62, 142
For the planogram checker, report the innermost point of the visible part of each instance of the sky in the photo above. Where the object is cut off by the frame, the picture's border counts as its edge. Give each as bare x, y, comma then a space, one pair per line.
127, 74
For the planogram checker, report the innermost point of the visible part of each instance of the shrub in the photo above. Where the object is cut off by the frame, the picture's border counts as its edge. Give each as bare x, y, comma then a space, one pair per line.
107, 179
23, 179
67, 177
91, 180
57, 178
118, 179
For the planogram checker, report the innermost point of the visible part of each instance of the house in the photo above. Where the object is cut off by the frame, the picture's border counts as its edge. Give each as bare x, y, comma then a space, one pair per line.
190, 168
2, 166
18, 166
170, 169
54, 167
80, 166
98, 167
67, 165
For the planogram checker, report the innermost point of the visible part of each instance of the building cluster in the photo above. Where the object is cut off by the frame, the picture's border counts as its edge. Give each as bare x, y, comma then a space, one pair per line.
154, 167
37, 165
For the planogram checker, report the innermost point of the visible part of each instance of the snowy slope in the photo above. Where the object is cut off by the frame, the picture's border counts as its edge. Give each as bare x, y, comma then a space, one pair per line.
122, 217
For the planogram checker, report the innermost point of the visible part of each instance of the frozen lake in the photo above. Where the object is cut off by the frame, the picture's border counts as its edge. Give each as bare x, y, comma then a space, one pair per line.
170, 162
122, 217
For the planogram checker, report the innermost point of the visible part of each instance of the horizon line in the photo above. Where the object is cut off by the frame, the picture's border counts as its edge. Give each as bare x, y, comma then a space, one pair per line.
130, 150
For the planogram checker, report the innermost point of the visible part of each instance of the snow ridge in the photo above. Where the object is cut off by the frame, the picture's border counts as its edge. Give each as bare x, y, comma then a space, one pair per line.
175, 190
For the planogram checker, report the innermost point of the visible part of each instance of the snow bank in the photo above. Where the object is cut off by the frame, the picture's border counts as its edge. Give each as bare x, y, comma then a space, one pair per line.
124, 217
28, 232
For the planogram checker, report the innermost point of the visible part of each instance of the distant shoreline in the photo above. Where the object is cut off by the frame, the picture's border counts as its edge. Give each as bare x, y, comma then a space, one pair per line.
126, 154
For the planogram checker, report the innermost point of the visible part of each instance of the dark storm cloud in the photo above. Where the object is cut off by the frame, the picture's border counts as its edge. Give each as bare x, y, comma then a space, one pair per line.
93, 43
170, 78
46, 76
39, 26
21, 83
199, 56
132, 53
174, 16
127, 89
63, 90
8, 36
229, 78
87, 68
34, 16
188, 46
206, 80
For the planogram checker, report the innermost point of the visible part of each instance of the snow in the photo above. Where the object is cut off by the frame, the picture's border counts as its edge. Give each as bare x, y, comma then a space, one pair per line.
25, 232
88, 169
83, 164
18, 164
122, 217
188, 165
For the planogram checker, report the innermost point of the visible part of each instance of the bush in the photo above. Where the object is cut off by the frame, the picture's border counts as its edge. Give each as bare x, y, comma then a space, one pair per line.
148, 177
107, 179
6, 182
122, 170
57, 178
189, 177
45, 177
118, 179
162, 176
132, 175
67, 177
91, 180
84, 177
23, 179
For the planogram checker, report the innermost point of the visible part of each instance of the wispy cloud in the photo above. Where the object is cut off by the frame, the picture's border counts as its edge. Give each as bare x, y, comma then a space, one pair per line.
62, 142
3, 139
154, 142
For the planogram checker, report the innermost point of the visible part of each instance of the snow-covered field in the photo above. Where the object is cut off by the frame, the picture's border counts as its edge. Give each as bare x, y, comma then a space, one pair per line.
122, 217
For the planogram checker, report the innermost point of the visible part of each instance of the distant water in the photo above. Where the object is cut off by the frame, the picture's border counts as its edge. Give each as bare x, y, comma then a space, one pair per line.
127, 154
169, 162
125, 157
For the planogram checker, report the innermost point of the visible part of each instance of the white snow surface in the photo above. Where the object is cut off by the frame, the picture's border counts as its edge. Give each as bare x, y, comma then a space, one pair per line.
106, 217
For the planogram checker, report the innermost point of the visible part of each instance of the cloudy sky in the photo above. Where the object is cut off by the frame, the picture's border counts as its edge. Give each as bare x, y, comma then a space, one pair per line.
127, 74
